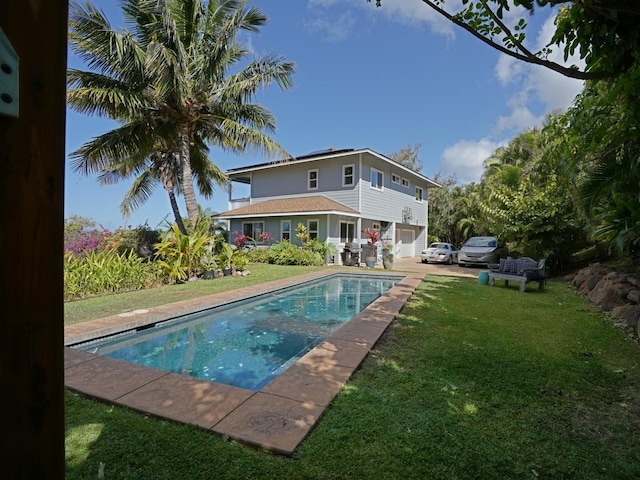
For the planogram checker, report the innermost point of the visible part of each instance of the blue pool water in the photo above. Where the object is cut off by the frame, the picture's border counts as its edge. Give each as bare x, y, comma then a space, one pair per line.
251, 342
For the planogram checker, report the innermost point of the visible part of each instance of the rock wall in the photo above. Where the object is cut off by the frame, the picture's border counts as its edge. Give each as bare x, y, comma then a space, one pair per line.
611, 291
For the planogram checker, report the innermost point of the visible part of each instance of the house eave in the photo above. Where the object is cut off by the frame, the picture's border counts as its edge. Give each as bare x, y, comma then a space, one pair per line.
307, 213
241, 172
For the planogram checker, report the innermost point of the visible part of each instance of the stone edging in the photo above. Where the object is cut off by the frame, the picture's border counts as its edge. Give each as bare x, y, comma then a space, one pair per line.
611, 291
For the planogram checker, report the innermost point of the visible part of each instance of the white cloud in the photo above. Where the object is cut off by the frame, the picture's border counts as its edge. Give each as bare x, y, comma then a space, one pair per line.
554, 90
333, 29
537, 86
410, 12
415, 12
508, 70
465, 159
519, 120
322, 3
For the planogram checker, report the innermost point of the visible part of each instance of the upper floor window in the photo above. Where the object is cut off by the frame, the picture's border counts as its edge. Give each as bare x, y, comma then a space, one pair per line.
285, 230
312, 229
347, 175
419, 194
405, 182
377, 179
395, 178
312, 179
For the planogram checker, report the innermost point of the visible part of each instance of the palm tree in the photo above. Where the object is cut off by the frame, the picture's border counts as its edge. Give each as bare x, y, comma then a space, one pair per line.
167, 81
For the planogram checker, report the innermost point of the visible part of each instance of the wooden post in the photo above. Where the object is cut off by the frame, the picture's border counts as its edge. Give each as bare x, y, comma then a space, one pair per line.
32, 158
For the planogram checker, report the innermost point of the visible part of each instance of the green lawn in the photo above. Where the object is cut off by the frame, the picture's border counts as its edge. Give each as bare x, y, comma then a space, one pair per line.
470, 382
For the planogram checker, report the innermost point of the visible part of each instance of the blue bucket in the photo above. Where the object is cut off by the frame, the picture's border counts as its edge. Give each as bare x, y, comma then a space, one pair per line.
483, 278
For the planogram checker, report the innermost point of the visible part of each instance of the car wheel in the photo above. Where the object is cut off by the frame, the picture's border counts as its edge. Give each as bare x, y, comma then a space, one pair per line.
450, 260
425, 261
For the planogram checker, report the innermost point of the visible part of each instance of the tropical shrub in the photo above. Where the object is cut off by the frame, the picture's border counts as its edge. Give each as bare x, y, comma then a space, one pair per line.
315, 245
224, 256
265, 238
302, 234
241, 240
181, 256
239, 260
102, 272
285, 253
141, 240
258, 255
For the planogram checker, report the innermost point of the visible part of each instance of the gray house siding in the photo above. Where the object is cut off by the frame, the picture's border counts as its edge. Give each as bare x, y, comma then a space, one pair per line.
277, 182
273, 226
390, 203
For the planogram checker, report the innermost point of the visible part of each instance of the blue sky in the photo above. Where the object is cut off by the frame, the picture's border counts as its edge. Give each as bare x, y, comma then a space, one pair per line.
366, 77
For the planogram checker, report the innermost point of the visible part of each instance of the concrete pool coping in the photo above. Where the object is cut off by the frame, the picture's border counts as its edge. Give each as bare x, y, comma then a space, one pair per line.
280, 415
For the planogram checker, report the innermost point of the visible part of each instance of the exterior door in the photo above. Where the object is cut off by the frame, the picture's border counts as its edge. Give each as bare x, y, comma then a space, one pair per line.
407, 243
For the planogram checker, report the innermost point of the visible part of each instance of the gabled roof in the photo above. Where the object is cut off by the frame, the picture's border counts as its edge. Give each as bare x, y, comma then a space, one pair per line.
310, 156
315, 204
242, 174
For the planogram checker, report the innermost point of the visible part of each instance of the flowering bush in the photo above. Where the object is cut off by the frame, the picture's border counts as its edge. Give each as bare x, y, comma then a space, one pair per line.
372, 235
86, 241
265, 237
240, 240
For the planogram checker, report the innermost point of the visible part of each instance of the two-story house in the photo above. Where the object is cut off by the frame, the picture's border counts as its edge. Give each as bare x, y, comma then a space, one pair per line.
336, 194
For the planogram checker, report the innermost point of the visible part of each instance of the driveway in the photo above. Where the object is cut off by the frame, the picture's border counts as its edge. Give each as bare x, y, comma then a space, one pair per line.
413, 264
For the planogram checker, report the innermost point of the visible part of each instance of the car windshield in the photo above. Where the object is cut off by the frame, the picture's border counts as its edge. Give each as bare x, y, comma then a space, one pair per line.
437, 245
481, 242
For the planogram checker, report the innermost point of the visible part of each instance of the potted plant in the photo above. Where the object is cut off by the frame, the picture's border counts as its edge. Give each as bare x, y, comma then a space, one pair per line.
387, 256
387, 261
209, 264
330, 250
225, 254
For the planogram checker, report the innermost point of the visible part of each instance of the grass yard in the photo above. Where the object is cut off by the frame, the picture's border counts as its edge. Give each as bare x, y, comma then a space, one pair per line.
470, 382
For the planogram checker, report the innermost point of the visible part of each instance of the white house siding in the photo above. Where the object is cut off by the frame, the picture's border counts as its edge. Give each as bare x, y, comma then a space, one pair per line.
406, 242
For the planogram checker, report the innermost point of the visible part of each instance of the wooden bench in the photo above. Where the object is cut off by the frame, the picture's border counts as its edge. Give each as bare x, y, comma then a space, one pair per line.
523, 270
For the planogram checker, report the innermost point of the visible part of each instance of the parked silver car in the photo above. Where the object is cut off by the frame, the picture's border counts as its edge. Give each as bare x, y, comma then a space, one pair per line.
481, 251
439, 252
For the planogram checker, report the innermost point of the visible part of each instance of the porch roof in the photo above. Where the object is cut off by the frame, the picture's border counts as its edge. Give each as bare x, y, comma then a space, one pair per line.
316, 204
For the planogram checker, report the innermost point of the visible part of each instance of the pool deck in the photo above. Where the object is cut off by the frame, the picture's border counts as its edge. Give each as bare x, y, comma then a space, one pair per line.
279, 416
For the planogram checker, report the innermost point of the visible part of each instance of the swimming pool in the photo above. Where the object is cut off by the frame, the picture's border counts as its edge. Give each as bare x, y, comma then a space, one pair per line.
251, 342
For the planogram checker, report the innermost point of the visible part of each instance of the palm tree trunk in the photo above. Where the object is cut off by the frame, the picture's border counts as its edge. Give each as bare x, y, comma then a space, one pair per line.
187, 177
176, 212
166, 170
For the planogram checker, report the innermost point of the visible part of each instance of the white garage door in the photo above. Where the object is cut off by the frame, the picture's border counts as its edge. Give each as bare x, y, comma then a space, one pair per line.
407, 243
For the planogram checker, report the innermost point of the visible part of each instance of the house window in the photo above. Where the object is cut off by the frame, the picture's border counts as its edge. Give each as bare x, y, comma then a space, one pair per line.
312, 179
347, 232
395, 178
347, 175
377, 179
312, 229
419, 194
285, 230
375, 226
405, 182
252, 229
